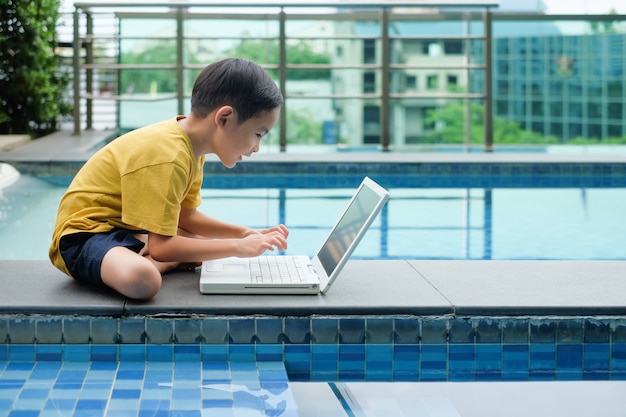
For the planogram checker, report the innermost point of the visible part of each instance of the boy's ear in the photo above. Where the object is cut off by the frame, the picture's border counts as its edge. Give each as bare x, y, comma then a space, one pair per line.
224, 114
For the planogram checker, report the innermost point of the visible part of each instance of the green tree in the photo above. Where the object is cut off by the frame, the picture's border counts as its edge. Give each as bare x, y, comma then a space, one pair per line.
606, 26
266, 52
145, 80
450, 122
32, 82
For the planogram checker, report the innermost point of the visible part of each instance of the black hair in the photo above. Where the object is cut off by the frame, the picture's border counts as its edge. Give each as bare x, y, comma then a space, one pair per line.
236, 82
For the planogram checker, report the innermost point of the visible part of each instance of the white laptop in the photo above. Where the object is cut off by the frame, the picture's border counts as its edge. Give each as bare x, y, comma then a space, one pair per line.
299, 274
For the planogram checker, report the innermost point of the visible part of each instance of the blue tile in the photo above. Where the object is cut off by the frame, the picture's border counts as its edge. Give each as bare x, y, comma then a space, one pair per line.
132, 331
49, 353
159, 331
596, 331
187, 353
406, 331
297, 330
461, 331
242, 353
515, 331
543, 331
352, 330
570, 331
214, 353
269, 331
379, 330
187, 331
160, 353
77, 353
105, 353
269, 353
214, 331
487, 331
104, 330
569, 356
241, 331
324, 330
21, 352
132, 353
434, 331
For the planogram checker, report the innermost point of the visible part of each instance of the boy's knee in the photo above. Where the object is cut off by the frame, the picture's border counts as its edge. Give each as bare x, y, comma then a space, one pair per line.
143, 284
140, 281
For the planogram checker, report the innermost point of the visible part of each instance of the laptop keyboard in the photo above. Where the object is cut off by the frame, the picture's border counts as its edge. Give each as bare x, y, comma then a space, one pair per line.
275, 269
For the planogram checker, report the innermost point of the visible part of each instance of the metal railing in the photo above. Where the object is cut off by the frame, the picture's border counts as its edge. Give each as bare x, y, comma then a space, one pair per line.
87, 14
386, 95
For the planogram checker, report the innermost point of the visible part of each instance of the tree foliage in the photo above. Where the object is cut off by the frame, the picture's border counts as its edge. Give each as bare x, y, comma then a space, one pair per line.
266, 51
450, 127
32, 84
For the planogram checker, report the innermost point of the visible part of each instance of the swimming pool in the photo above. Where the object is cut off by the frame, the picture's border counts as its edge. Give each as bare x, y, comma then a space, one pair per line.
438, 220
417, 223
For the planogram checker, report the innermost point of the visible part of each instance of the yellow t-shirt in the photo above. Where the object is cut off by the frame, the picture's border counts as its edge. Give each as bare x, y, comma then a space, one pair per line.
138, 181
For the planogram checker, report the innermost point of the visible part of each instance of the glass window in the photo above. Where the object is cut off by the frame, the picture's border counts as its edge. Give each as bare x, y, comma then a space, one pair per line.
594, 110
502, 107
453, 47
595, 131
615, 111
369, 51
556, 129
369, 82
410, 81
575, 109
556, 109
432, 81
575, 130
616, 131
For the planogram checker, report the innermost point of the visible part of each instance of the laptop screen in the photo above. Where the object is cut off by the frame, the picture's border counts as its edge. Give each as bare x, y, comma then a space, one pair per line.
343, 236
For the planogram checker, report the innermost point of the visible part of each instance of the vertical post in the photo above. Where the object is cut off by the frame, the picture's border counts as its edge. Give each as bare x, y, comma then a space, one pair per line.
488, 225
282, 78
89, 71
76, 64
385, 58
467, 126
488, 105
180, 90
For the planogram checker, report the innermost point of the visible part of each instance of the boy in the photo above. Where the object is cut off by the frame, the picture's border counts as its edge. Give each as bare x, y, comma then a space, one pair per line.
130, 215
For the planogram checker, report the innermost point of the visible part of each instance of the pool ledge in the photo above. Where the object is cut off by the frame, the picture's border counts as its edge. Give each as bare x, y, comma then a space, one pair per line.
394, 287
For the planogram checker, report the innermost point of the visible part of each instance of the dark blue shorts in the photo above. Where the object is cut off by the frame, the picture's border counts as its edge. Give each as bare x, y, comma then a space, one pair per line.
83, 252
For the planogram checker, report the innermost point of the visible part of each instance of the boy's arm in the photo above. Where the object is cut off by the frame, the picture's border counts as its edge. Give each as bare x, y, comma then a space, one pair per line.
190, 249
197, 223
207, 238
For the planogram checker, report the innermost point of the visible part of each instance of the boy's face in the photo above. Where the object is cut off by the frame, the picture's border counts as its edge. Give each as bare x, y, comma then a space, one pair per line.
243, 139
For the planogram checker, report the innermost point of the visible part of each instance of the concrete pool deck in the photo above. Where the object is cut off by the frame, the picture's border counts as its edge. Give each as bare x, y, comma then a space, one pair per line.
416, 288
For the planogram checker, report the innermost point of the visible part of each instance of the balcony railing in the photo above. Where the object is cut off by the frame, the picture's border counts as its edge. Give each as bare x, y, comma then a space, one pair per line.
386, 66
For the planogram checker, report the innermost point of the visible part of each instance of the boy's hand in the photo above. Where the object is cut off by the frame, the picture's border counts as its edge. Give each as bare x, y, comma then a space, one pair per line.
256, 243
281, 228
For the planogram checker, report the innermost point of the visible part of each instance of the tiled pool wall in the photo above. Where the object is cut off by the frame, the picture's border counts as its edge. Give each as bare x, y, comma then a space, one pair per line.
401, 173
339, 348
416, 174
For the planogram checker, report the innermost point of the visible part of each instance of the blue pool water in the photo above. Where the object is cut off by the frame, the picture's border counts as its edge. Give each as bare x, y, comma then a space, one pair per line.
417, 223
184, 389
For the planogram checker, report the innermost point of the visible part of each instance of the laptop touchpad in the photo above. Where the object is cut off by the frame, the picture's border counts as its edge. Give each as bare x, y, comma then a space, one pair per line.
235, 268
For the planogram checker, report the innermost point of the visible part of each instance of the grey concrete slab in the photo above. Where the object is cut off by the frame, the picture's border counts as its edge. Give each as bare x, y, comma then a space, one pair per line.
529, 287
364, 287
36, 287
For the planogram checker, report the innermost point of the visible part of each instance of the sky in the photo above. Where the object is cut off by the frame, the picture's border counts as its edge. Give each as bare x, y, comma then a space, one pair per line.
551, 6
584, 6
